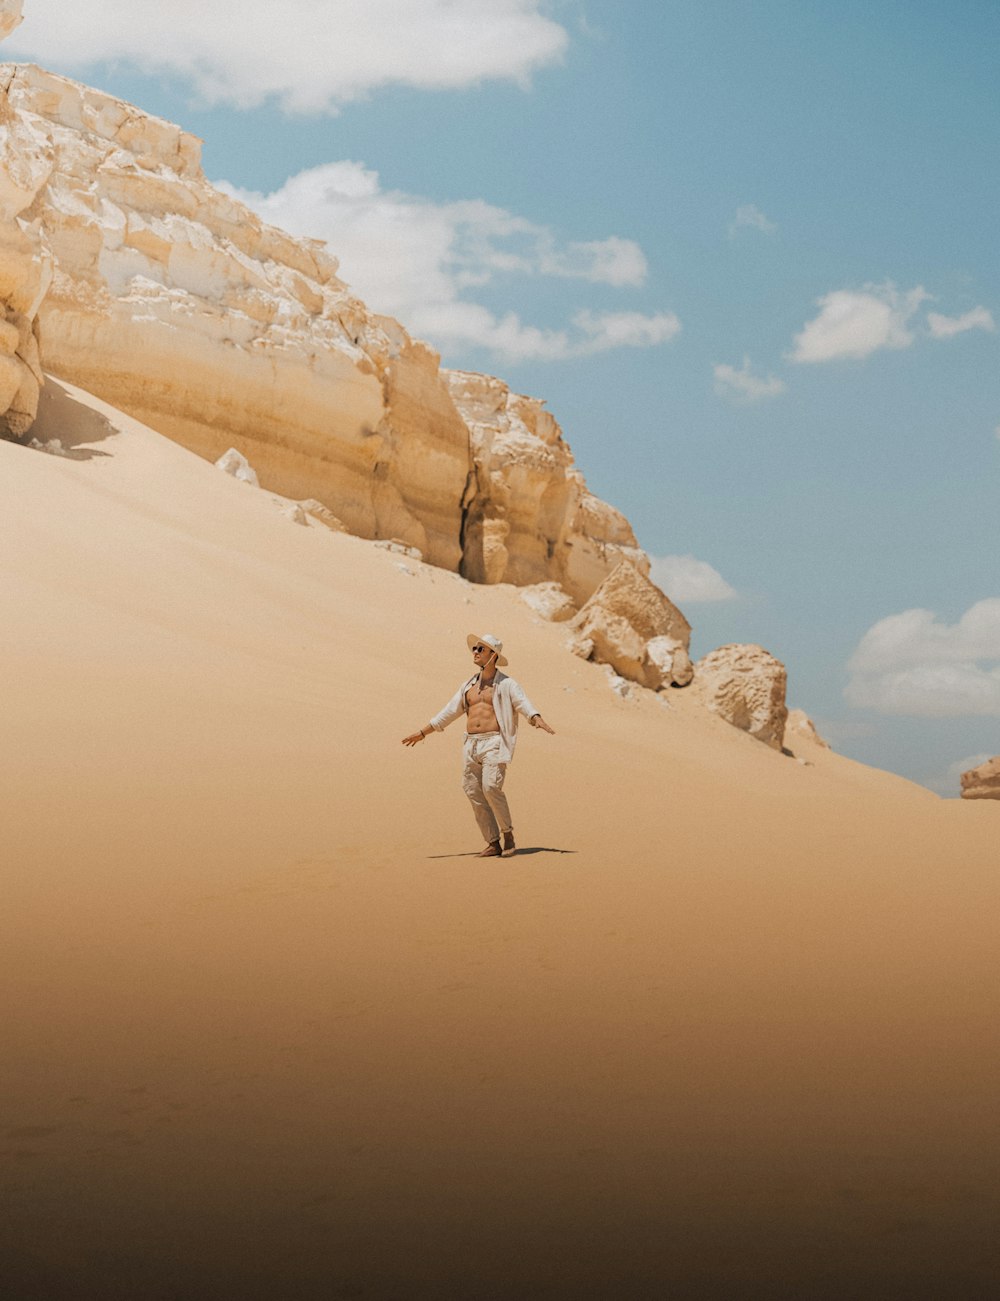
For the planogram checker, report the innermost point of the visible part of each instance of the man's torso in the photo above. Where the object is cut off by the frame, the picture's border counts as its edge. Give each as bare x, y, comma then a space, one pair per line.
480, 716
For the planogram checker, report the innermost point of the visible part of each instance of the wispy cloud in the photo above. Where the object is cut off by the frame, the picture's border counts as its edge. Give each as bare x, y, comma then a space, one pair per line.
949, 782
749, 217
422, 262
743, 386
306, 55
913, 664
689, 581
946, 327
856, 323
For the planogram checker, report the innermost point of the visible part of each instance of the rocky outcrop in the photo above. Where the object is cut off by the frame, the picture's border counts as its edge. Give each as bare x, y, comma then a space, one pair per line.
745, 686
799, 724
528, 515
25, 267
982, 783
174, 302
630, 625
179, 306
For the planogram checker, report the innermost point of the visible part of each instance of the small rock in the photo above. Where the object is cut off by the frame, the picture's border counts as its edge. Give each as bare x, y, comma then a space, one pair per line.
294, 512
399, 548
236, 464
549, 600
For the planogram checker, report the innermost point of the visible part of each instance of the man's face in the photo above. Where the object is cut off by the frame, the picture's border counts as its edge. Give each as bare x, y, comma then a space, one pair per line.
481, 654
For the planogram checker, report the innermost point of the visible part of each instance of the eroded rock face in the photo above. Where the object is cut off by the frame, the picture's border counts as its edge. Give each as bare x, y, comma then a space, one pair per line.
178, 305
25, 266
174, 302
982, 783
745, 685
529, 517
629, 624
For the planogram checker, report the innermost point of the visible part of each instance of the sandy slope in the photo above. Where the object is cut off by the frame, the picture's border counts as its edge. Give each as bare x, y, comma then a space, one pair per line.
727, 1027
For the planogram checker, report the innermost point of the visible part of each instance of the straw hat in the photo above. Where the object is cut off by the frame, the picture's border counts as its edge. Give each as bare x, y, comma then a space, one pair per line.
494, 643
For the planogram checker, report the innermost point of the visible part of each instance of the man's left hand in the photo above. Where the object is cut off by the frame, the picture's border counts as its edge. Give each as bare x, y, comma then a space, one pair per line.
538, 721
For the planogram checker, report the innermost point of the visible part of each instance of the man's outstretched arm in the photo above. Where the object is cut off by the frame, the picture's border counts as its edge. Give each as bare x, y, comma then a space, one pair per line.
452, 710
523, 705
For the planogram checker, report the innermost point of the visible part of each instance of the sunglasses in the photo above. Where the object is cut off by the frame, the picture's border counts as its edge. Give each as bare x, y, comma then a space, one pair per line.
477, 649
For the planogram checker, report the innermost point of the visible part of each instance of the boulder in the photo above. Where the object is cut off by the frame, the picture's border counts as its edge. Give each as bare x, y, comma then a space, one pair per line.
746, 686
629, 624
234, 463
982, 783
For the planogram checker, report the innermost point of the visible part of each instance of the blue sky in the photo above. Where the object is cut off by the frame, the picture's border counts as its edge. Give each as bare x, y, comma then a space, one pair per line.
746, 251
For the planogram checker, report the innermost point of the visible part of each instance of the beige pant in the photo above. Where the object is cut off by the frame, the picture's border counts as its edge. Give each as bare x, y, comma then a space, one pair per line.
482, 781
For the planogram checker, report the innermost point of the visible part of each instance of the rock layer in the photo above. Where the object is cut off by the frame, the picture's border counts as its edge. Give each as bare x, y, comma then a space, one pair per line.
174, 302
630, 625
24, 261
528, 515
745, 685
982, 783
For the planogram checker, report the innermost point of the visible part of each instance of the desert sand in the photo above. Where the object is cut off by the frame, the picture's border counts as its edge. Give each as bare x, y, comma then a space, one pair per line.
726, 1026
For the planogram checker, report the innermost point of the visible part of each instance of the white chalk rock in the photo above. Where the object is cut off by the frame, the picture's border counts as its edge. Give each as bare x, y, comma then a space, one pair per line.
549, 600
629, 624
25, 260
529, 518
323, 515
982, 783
175, 303
745, 685
236, 464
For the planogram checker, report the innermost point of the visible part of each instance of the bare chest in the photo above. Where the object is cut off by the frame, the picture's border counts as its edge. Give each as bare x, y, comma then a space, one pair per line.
481, 716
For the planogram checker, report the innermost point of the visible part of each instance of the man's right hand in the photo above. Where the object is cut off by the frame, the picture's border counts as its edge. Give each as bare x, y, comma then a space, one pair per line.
413, 738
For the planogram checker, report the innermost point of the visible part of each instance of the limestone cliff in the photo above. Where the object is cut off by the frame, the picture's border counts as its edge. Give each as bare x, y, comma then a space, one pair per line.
529, 517
24, 261
178, 305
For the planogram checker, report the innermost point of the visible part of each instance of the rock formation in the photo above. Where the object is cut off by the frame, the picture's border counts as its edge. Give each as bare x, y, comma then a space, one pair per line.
24, 262
178, 305
529, 517
629, 624
982, 783
745, 686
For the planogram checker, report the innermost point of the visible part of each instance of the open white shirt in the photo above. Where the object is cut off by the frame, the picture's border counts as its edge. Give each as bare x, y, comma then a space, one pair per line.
509, 700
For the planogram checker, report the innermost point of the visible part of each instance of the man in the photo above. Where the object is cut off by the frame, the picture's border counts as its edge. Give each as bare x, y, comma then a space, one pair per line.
491, 702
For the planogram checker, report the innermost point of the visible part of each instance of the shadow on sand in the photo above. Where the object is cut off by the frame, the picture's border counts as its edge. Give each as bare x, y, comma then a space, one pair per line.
518, 853
73, 424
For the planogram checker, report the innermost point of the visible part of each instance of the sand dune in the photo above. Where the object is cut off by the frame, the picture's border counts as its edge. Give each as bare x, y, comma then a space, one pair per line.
725, 1027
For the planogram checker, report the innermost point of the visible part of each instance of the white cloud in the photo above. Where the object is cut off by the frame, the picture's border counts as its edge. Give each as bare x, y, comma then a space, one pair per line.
308, 55
949, 783
743, 386
910, 663
749, 217
688, 581
414, 259
856, 323
946, 327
